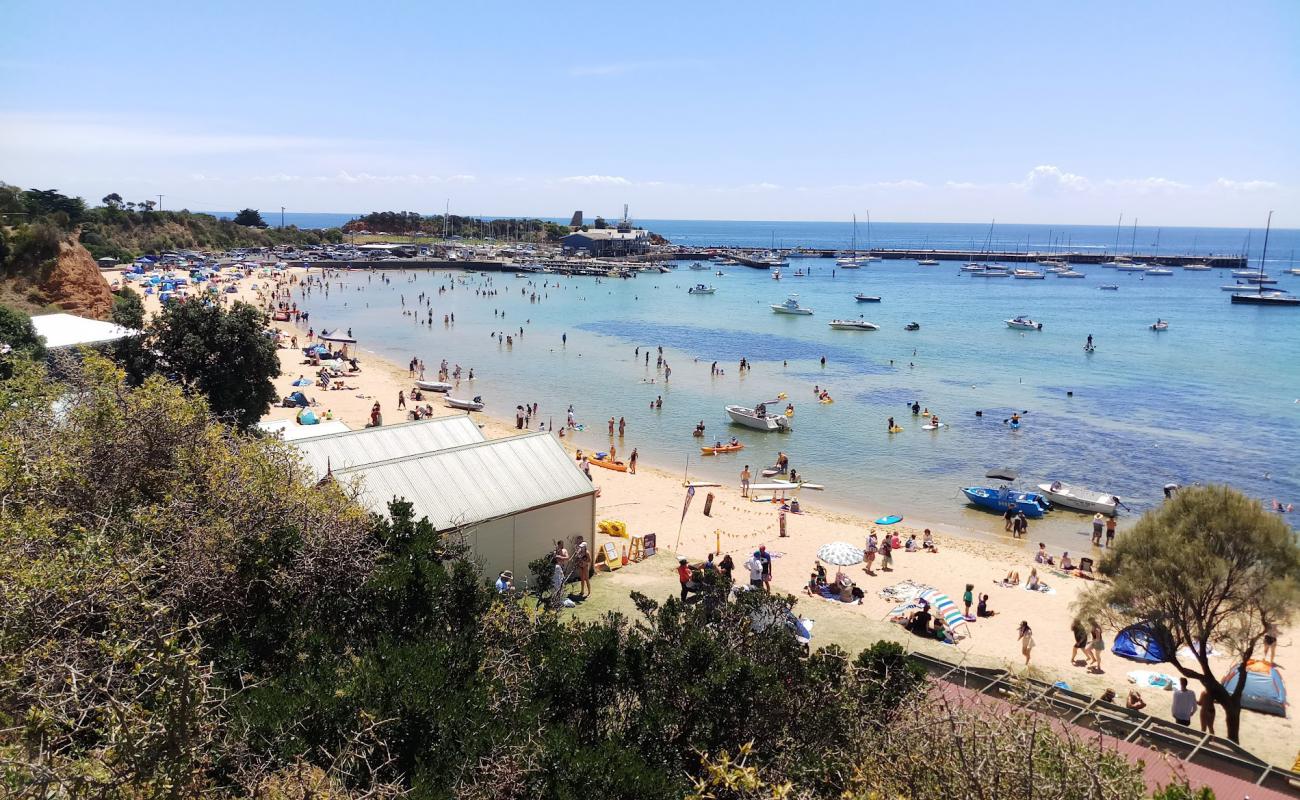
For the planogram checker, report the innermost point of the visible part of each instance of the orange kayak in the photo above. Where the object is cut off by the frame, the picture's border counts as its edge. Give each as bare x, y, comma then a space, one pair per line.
726, 448
617, 466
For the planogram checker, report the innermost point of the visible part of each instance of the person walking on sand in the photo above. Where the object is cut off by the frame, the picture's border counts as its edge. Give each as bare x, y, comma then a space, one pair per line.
1110, 531
744, 481
1097, 645
401, 399
1098, 525
1026, 637
1080, 643
631, 462
886, 555
873, 545
1207, 712
755, 567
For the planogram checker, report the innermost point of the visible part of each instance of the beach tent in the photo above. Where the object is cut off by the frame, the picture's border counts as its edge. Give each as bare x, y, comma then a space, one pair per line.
299, 399
1264, 691
1138, 642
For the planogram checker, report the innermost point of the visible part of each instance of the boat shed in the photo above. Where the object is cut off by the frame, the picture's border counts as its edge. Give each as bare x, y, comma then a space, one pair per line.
511, 499
350, 449
605, 242
68, 330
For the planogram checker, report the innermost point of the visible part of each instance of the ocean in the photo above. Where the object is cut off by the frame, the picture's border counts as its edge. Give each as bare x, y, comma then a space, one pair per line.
1214, 399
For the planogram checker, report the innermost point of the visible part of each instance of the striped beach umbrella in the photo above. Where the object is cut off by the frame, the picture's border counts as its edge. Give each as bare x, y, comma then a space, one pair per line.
841, 554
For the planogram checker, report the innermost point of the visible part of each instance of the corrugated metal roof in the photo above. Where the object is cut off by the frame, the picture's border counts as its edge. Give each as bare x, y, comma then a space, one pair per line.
355, 448
69, 330
290, 431
476, 482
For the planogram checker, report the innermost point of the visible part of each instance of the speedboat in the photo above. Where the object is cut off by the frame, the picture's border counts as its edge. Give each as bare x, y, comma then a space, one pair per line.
1028, 275
1024, 324
912, 326
971, 267
1110, 287
698, 266
1244, 273
758, 418
866, 298
700, 288
1069, 273
1160, 325
853, 325
851, 262
466, 405
791, 306
434, 386
928, 262
1033, 505
665, 270
1080, 499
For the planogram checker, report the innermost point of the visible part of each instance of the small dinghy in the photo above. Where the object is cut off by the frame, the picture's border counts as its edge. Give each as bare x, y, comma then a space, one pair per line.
465, 405
434, 386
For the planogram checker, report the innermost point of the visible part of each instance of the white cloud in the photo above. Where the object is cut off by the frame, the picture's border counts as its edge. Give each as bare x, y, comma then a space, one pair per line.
1050, 178
906, 183
761, 186
594, 180
960, 185
1245, 186
1147, 185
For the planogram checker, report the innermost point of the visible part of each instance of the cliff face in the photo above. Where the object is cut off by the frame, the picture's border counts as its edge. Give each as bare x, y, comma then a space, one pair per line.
76, 284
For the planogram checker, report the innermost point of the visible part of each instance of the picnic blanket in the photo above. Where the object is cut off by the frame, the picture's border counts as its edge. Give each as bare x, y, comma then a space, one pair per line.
904, 591
1156, 680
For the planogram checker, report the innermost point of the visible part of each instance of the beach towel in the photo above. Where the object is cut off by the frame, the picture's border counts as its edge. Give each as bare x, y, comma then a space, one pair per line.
903, 591
1042, 588
1156, 680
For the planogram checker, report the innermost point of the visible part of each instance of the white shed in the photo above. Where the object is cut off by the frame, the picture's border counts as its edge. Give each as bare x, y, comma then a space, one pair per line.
350, 449
512, 498
69, 330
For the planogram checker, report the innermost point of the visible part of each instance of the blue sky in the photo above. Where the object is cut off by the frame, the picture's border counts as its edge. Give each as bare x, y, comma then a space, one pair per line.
1182, 113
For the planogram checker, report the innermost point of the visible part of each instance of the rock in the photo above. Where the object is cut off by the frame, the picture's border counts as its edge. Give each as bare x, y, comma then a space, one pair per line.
76, 284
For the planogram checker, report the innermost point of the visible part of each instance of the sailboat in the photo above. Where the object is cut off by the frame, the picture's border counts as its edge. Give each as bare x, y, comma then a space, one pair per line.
1262, 298
853, 260
869, 256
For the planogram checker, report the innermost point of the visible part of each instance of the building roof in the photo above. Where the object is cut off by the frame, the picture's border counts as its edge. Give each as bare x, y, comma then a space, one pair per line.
290, 431
350, 449
69, 330
476, 482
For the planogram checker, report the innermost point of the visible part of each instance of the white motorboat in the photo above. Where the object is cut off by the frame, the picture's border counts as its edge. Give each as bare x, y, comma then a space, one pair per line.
1069, 273
1023, 323
1160, 325
758, 417
972, 267
791, 306
465, 405
1197, 267
991, 272
1028, 275
850, 262
665, 270
434, 386
1123, 267
700, 288
853, 325
928, 262
1160, 271
1080, 499
698, 266
866, 298
1244, 273
1293, 271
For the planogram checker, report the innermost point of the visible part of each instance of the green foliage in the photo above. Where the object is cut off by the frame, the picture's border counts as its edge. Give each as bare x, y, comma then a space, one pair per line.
407, 223
1212, 567
250, 218
18, 340
32, 250
128, 308
59, 209
223, 353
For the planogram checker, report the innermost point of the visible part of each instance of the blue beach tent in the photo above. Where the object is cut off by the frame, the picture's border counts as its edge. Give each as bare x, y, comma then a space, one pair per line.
1138, 642
1264, 691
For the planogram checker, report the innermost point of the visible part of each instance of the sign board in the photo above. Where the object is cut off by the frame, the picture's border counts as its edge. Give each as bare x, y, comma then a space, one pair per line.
649, 544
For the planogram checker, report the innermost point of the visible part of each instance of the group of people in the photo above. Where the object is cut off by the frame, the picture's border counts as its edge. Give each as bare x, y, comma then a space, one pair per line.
842, 588
1088, 642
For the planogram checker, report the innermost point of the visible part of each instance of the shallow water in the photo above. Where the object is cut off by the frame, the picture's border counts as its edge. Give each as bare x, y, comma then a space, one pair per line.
1213, 399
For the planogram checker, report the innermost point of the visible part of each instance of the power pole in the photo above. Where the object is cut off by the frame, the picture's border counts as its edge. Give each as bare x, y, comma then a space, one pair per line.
281, 217
160, 197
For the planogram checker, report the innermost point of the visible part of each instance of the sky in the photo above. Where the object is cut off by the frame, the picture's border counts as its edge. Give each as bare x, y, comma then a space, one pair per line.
1181, 113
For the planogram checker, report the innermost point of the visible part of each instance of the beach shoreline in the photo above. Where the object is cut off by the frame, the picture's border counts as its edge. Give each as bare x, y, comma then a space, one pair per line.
654, 500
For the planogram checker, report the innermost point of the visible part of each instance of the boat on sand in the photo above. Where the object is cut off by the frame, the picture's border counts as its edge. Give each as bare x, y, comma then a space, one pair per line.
1080, 499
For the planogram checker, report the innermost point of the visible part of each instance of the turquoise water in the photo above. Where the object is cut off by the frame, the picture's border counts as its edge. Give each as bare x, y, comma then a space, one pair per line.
1213, 399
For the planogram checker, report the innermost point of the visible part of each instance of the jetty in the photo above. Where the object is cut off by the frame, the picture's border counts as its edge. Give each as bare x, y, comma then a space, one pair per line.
750, 257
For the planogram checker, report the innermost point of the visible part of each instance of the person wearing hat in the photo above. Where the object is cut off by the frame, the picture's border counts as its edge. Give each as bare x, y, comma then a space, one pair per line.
755, 567
582, 564
766, 559
505, 581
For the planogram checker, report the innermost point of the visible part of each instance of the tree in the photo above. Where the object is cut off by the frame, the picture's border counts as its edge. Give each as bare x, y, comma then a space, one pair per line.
226, 355
18, 339
113, 200
250, 218
1209, 567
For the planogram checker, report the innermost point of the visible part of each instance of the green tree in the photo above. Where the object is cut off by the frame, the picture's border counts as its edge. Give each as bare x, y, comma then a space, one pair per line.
225, 354
18, 340
128, 308
1210, 567
250, 218
113, 200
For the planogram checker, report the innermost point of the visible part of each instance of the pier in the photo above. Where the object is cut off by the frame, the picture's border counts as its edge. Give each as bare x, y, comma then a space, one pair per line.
750, 257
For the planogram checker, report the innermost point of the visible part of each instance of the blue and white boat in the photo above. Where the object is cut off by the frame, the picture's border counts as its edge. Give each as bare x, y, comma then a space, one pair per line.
1033, 505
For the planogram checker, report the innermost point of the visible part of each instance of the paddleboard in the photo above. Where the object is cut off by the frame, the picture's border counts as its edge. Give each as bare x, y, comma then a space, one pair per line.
933, 427
801, 485
889, 520
701, 485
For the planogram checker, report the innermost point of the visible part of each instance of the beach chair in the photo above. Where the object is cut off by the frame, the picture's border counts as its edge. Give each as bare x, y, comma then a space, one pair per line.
1085, 566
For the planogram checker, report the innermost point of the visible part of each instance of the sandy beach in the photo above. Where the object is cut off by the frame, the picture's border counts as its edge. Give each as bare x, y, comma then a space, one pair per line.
651, 501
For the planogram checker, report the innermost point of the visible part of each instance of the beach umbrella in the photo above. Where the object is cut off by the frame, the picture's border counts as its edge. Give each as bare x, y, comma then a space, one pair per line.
841, 554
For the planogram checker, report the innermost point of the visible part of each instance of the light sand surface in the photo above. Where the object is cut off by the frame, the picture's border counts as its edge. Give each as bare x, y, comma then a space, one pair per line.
652, 501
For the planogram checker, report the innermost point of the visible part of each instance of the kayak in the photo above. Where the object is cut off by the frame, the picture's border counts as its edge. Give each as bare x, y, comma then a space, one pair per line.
889, 520
617, 466
726, 448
